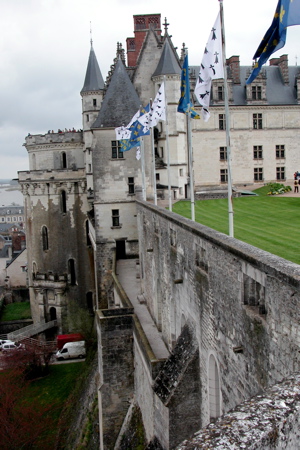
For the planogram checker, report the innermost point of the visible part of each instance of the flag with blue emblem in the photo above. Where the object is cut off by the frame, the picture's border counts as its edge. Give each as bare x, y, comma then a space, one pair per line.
287, 14
136, 131
185, 99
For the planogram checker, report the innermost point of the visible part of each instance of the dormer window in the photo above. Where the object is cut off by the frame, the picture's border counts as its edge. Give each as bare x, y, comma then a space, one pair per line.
220, 93
256, 93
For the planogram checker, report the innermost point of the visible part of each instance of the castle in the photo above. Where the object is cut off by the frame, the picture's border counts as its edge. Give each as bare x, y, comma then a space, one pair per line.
84, 210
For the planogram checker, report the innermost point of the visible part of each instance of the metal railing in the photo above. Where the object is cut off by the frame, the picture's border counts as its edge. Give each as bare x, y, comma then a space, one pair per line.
31, 330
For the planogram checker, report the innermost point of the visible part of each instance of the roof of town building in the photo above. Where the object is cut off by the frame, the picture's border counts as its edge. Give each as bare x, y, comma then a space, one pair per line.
9, 210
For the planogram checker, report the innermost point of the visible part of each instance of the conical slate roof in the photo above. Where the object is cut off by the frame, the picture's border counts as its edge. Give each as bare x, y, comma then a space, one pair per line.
168, 64
121, 101
93, 77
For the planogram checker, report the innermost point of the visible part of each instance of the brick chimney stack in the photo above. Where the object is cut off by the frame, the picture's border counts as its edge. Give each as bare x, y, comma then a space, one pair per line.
142, 23
234, 64
283, 65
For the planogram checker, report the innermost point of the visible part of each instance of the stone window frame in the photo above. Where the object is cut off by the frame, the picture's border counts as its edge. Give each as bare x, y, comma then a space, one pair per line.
254, 289
115, 217
256, 92
116, 152
257, 152
258, 174
72, 272
280, 173
63, 201
224, 175
201, 257
280, 151
63, 160
131, 186
223, 153
257, 119
45, 238
222, 122
173, 237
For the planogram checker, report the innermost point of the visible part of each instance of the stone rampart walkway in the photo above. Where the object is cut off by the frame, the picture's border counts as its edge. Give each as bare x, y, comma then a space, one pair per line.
126, 272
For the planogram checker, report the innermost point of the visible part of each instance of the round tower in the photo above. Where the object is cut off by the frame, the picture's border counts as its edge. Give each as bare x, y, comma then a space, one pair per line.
92, 91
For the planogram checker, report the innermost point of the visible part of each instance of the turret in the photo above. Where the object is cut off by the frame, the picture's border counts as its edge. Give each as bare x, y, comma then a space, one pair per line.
169, 70
92, 91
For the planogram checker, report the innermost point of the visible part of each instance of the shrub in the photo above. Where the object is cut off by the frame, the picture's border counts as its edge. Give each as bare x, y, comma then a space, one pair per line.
277, 188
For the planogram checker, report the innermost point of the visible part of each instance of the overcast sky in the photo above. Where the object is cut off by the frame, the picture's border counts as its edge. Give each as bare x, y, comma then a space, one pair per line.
45, 45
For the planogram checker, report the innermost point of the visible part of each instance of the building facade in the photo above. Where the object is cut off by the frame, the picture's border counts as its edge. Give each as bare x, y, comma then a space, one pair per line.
12, 215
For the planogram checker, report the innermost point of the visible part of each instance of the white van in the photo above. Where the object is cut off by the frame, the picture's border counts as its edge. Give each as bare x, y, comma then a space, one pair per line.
71, 350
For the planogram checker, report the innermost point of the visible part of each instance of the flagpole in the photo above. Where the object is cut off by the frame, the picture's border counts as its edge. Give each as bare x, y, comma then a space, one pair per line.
227, 116
190, 150
153, 162
168, 151
143, 167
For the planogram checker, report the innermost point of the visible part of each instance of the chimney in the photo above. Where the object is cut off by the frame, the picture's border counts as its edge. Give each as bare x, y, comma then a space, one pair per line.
142, 23
283, 65
234, 64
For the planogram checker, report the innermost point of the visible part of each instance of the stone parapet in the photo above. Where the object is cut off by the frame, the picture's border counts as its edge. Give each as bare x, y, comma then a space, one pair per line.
267, 421
53, 138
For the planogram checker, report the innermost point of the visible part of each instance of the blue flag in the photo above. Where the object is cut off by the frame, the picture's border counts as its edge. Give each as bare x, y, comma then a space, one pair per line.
287, 14
185, 100
137, 130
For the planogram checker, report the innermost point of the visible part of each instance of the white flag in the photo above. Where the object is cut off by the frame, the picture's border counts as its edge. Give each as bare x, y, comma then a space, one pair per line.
124, 132
211, 68
157, 111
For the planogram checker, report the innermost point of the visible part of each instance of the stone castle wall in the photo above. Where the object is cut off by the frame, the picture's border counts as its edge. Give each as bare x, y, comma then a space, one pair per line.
241, 302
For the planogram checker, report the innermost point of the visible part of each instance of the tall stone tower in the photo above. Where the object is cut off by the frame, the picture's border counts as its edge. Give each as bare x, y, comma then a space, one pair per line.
57, 200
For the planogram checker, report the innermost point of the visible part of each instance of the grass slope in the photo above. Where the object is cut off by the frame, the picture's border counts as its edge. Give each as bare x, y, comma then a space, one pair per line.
55, 390
271, 223
16, 311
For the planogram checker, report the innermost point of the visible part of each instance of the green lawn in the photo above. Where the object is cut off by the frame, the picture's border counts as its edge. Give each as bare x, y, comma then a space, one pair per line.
55, 388
16, 311
271, 223
36, 407
54, 391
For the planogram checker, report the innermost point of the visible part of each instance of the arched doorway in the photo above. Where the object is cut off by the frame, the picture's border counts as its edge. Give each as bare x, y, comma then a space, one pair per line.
89, 303
120, 249
52, 312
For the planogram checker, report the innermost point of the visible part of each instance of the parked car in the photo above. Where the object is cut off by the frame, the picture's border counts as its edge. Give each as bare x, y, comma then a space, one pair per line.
11, 346
5, 341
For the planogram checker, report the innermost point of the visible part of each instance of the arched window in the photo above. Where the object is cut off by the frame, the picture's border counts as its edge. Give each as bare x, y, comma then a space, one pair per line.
214, 389
63, 160
88, 241
34, 269
89, 303
45, 238
33, 162
72, 273
63, 200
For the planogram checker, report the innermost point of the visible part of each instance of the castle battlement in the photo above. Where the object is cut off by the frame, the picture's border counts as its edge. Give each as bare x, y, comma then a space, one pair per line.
51, 175
54, 138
